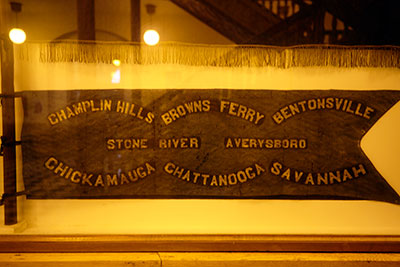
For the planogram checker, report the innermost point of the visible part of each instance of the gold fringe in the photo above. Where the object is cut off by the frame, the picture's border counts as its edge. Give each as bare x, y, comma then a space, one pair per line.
214, 55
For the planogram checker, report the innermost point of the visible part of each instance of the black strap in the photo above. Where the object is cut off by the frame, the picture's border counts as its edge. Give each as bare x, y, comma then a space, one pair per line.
5, 196
5, 142
15, 95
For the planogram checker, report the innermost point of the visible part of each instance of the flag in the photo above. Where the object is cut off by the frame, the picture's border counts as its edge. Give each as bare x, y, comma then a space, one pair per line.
205, 143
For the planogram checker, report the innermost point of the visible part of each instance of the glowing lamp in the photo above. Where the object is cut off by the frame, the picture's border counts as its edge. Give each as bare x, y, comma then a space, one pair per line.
116, 62
17, 36
151, 37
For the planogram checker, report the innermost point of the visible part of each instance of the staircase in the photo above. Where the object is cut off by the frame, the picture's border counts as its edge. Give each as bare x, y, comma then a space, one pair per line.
293, 22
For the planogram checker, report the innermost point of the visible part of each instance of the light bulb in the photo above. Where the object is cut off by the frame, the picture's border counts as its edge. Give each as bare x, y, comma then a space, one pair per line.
116, 62
151, 37
17, 36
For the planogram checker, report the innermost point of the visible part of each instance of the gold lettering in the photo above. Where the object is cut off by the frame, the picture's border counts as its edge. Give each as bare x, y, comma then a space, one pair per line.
70, 113
223, 105
232, 179
249, 172
294, 109
285, 112
139, 114
61, 169
51, 163
367, 112
107, 104
360, 169
124, 179
189, 107
357, 112
141, 172
186, 176
86, 105
196, 176
94, 109
150, 168
53, 119
169, 167
99, 181
110, 144
250, 115
77, 108
278, 118
133, 176
214, 181
333, 177
86, 179
223, 180
166, 118
206, 105
75, 177
297, 176
205, 177
149, 118
286, 174
276, 168
321, 103
259, 169
323, 179
120, 106
178, 172
111, 179
228, 143
309, 179
241, 175
61, 115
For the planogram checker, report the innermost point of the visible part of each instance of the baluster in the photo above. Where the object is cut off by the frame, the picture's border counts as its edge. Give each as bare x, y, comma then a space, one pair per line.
279, 8
286, 8
346, 32
334, 31
294, 7
319, 27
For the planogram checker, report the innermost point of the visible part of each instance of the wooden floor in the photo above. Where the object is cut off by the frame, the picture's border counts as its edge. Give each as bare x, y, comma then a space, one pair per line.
200, 259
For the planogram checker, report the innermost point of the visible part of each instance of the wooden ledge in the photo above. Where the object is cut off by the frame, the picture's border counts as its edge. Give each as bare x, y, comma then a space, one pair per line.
198, 243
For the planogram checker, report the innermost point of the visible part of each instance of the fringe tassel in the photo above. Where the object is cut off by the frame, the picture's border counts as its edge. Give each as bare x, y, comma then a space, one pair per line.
214, 55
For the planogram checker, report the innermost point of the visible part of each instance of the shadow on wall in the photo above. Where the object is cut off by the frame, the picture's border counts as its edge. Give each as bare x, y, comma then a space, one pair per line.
102, 35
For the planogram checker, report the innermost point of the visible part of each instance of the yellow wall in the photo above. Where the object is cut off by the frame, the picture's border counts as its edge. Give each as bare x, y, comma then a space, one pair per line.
200, 216
219, 216
49, 20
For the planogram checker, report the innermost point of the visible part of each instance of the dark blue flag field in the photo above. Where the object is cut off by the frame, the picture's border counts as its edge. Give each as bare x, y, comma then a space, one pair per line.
261, 144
